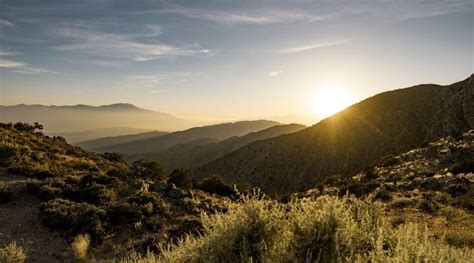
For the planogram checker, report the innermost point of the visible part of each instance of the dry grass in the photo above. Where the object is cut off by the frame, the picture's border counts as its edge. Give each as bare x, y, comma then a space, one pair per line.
12, 254
328, 229
80, 246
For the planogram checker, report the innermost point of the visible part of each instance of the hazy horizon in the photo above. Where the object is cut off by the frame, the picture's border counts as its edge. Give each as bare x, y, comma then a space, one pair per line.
229, 60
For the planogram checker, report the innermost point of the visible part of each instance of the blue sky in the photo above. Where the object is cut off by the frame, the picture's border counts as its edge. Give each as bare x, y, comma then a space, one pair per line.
227, 59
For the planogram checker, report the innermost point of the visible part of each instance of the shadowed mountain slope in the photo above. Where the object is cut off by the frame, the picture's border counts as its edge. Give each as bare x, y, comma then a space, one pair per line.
218, 131
194, 154
388, 123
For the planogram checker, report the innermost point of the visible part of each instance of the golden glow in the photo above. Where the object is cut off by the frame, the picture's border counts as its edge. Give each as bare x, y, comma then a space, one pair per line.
328, 100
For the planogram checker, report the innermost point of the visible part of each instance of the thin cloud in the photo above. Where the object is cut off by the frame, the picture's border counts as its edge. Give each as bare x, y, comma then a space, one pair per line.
124, 46
4, 63
21, 67
275, 73
155, 80
5, 23
230, 18
298, 49
431, 9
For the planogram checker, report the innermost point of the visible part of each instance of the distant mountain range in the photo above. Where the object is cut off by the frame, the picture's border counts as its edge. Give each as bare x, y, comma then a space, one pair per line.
201, 151
137, 145
66, 119
388, 123
114, 140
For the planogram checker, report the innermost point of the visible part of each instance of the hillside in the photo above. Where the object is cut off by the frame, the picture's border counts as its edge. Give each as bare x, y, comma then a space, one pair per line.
217, 131
60, 120
388, 123
92, 145
51, 191
60, 203
192, 155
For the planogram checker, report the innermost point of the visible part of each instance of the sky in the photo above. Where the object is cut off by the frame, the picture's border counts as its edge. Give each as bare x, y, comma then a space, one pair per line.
229, 59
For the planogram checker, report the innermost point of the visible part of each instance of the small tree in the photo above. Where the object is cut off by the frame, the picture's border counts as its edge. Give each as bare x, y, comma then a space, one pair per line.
181, 178
148, 169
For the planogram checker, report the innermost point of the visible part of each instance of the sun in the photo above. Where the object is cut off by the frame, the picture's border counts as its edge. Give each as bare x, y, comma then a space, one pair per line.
329, 100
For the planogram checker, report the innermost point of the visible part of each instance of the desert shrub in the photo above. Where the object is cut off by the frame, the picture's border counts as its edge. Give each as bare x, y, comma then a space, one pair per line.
80, 246
359, 189
145, 199
465, 201
215, 185
329, 229
24, 127
389, 160
426, 205
6, 193
113, 157
462, 167
75, 217
383, 194
457, 189
442, 197
48, 192
460, 238
449, 212
253, 231
7, 151
401, 203
181, 178
12, 254
147, 170
124, 213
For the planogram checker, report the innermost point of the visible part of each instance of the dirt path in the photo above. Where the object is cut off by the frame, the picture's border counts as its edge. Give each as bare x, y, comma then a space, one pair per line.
20, 222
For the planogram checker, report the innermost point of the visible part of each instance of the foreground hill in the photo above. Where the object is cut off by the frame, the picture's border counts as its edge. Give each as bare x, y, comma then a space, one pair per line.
217, 131
102, 142
66, 119
197, 153
49, 187
388, 123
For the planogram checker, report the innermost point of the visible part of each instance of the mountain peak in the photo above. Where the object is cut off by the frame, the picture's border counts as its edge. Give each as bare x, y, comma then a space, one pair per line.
120, 106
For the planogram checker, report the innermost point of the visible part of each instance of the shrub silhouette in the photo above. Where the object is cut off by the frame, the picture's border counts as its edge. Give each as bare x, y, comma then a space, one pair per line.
148, 170
181, 178
215, 185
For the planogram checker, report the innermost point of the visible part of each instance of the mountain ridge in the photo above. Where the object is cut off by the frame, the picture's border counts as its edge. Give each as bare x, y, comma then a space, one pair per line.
387, 123
215, 131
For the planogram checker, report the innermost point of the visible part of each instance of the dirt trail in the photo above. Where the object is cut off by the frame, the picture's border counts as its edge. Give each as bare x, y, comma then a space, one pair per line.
20, 222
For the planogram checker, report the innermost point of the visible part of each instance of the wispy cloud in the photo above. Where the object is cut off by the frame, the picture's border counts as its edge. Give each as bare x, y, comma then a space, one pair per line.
303, 48
5, 23
155, 81
432, 8
275, 73
21, 67
258, 17
126, 46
